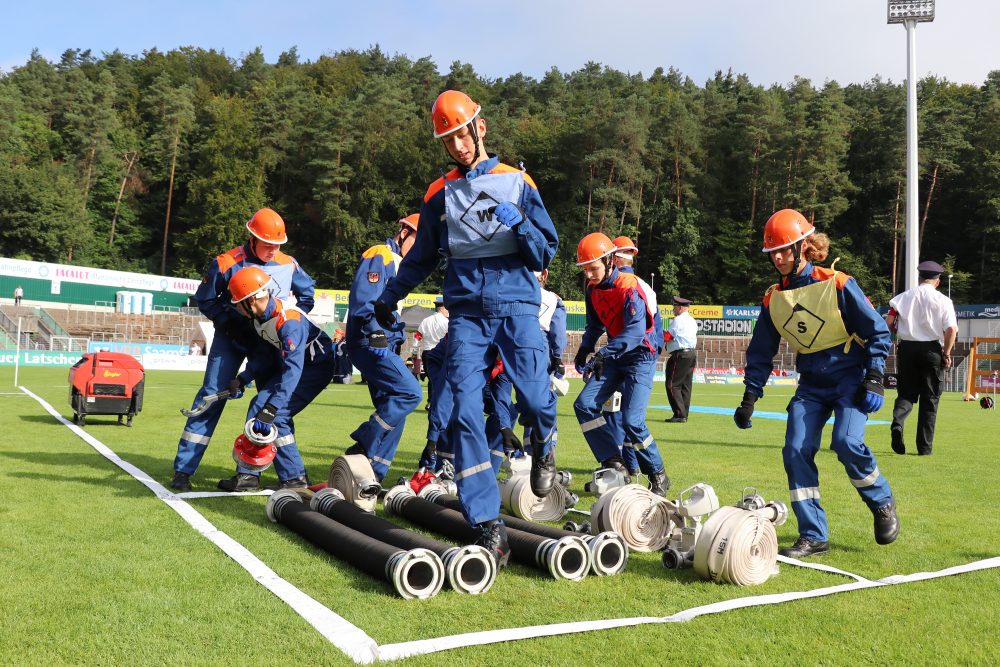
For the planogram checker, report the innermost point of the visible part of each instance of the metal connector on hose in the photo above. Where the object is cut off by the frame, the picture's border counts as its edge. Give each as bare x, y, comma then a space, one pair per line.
565, 558
416, 574
608, 553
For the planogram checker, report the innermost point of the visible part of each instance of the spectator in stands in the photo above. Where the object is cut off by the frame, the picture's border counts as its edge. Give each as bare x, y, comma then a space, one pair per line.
18, 295
344, 371
291, 364
234, 334
927, 327
195, 349
394, 390
842, 344
681, 340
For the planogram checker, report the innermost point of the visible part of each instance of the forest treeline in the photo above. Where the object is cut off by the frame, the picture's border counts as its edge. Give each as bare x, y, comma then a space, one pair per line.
153, 163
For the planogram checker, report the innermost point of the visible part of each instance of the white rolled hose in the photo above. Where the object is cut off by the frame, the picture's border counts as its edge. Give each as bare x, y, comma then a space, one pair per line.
643, 519
353, 476
517, 497
736, 546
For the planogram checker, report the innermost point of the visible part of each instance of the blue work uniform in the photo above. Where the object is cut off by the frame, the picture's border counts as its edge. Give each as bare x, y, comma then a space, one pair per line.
441, 406
493, 299
234, 337
293, 362
619, 305
828, 381
615, 419
394, 391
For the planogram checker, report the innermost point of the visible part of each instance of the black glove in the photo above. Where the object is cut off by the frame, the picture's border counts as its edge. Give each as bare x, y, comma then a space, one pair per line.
871, 394
580, 360
557, 369
511, 443
597, 365
235, 388
378, 344
384, 314
264, 419
745, 411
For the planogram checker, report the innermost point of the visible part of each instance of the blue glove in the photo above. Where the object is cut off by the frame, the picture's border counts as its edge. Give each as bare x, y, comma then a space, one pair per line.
235, 388
378, 344
745, 411
508, 214
428, 458
264, 421
871, 394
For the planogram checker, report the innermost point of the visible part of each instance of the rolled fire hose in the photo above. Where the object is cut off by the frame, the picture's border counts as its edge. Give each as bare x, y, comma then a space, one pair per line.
565, 558
642, 518
469, 569
516, 495
736, 546
353, 476
608, 551
414, 573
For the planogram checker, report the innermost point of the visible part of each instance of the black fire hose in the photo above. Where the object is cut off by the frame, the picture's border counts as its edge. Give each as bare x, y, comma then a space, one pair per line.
609, 552
469, 569
414, 573
564, 558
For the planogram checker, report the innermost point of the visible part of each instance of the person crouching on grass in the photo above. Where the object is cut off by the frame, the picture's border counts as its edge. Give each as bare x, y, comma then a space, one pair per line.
842, 344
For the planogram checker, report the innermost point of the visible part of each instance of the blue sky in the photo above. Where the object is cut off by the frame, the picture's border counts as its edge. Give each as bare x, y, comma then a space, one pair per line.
770, 40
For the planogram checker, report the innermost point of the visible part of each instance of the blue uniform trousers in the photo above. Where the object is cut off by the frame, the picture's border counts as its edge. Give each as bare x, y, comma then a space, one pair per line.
395, 394
808, 411
316, 376
473, 345
224, 359
616, 423
632, 375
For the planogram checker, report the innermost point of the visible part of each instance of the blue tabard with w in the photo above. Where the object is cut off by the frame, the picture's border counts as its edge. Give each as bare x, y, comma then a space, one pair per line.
473, 231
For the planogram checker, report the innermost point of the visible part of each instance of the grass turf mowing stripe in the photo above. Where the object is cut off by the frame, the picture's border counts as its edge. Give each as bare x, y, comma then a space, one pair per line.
763, 414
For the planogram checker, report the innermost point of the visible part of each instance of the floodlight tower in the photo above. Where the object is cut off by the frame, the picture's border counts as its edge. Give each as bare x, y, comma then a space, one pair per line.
910, 13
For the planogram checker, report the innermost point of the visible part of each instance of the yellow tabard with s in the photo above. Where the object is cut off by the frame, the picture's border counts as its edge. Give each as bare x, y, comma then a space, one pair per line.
808, 317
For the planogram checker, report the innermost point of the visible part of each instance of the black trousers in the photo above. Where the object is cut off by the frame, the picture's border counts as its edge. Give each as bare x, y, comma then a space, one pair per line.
920, 373
680, 370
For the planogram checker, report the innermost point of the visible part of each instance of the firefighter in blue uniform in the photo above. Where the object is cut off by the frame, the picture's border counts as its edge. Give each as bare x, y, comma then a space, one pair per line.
617, 303
394, 390
624, 259
291, 364
489, 220
842, 344
234, 334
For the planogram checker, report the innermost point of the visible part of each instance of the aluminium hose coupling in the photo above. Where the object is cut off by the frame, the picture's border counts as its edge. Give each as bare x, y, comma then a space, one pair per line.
470, 569
257, 438
278, 501
416, 574
565, 558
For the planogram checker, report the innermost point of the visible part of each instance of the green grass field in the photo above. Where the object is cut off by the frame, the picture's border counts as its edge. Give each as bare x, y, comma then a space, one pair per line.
96, 569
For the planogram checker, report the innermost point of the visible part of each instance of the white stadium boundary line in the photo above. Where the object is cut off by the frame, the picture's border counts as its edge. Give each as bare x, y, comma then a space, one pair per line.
363, 649
337, 630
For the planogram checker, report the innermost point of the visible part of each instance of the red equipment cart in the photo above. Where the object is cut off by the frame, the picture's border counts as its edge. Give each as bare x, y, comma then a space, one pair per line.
106, 383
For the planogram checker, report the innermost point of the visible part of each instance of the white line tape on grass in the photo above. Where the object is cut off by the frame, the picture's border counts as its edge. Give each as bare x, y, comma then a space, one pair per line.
362, 649
338, 631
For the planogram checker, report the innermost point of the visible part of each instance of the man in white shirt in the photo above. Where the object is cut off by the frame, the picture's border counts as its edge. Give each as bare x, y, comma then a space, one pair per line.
681, 339
925, 321
430, 332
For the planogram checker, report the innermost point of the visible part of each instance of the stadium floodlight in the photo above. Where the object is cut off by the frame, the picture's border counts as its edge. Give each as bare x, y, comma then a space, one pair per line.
921, 11
910, 13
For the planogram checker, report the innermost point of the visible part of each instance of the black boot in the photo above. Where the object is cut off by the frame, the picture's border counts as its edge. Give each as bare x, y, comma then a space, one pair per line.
356, 448
543, 472
804, 547
659, 483
896, 434
295, 483
240, 482
618, 466
181, 481
494, 540
886, 523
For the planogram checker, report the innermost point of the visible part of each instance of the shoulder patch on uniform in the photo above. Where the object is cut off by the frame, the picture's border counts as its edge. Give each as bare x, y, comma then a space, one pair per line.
382, 251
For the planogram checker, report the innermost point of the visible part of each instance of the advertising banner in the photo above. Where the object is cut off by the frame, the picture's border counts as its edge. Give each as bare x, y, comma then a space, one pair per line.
81, 274
137, 349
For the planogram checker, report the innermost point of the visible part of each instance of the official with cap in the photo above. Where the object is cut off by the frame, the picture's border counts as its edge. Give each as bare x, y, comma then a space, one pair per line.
681, 339
927, 327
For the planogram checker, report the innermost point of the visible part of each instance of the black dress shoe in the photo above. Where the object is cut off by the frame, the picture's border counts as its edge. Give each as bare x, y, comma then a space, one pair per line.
494, 540
676, 420
886, 523
896, 434
543, 473
805, 547
181, 481
240, 482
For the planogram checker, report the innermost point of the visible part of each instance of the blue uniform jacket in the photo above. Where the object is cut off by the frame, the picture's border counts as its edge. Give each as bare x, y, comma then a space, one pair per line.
634, 332
376, 268
214, 300
825, 367
296, 332
497, 286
